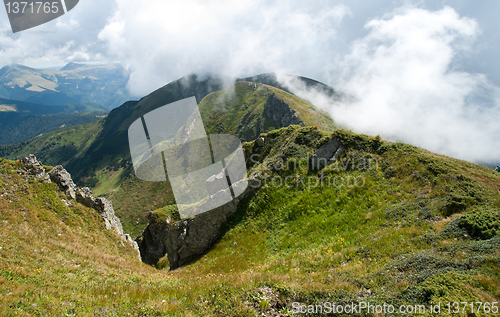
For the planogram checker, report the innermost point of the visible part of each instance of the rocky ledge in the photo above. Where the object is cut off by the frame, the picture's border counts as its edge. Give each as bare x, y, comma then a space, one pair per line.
281, 112
84, 195
187, 239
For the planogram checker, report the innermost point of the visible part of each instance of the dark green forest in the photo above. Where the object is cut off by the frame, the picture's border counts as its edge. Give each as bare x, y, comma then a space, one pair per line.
17, 127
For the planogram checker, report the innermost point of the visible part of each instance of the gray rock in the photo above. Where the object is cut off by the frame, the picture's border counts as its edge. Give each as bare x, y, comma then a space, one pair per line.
84, 195
61, 177
35, 168
185, 239
105, 207
337, 154
280, 112
326, 154
189, 238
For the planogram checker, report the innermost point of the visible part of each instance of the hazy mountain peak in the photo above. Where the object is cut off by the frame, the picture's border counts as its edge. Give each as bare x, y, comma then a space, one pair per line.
72, 66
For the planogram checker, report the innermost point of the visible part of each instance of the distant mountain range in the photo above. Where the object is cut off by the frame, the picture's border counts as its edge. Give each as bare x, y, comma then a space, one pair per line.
37, 101
104, 85
23, 107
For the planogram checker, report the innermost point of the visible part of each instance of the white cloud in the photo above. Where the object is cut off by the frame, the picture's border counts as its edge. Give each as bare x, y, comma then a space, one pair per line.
70, 37
404, 69
160, 41
406, 88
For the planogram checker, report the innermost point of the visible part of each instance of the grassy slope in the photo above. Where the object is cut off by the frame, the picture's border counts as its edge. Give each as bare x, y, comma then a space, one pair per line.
395, 239
56, 259
106, 164
402, 238
221, 111
224, 110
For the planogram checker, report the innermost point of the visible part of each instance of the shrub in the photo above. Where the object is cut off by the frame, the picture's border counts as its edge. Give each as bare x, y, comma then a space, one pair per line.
360, 142
450, 287
483, 223
161, 215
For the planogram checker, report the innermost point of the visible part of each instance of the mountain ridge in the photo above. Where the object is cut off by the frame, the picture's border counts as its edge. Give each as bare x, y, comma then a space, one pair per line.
105, 163
73, 83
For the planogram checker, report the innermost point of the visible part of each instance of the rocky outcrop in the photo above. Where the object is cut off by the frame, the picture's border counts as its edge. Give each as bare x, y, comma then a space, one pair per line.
62, 178
35, 168
187, 239
216, 182
326, 154
280, 112
84, 195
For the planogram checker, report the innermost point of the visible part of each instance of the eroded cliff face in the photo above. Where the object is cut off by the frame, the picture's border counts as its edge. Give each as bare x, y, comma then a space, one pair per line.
280, 112
187, 239
84, 195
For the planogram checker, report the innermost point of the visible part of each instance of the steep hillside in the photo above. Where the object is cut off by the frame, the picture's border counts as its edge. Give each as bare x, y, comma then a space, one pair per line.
74, 83
111, 147
55, 253
18, 127
250, 108
383, 223
246, 110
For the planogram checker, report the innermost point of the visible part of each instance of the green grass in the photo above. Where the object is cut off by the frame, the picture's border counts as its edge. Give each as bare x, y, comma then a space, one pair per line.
335, 243
240, 111
421, 229
136, 198
17, 127
108, 181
